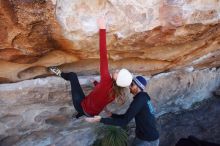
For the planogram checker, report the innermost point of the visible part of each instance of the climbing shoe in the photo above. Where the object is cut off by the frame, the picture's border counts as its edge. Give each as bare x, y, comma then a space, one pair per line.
55, 70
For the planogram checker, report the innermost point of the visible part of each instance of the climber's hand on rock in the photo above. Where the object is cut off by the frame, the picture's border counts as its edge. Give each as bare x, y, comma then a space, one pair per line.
101, 22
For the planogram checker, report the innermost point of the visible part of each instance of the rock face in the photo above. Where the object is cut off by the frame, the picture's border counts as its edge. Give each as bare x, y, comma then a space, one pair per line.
202, 121
179, 90
39, 112
146, 36
175, 42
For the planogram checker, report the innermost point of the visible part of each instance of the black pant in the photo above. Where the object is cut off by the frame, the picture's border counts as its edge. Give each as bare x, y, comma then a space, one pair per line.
76, 90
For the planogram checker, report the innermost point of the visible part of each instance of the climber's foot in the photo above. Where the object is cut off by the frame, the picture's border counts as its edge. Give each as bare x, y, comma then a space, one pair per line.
55, 70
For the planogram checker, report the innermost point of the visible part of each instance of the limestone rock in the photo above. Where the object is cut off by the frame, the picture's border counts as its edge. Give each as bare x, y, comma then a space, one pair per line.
202, 122
39, 112
175, 42
217, 93
57, 120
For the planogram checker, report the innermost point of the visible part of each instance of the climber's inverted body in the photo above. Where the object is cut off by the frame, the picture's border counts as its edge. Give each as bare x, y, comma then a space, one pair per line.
108, 89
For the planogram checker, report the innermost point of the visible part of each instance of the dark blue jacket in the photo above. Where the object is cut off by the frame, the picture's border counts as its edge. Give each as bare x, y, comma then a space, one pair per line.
142, 110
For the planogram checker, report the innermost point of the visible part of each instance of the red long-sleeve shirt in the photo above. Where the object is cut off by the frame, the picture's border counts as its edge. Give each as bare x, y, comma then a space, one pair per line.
94, 103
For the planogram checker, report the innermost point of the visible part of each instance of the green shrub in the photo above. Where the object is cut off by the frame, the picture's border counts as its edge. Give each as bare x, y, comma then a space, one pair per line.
112, 136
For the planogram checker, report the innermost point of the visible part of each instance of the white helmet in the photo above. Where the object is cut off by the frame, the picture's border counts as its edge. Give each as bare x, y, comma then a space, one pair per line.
124, 78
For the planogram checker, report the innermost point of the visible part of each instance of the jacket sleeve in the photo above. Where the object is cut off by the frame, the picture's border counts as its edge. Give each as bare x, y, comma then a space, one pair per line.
117, 115
104, 72
124, 119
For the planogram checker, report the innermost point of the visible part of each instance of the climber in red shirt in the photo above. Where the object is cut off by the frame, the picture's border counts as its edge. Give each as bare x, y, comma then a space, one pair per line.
108, 89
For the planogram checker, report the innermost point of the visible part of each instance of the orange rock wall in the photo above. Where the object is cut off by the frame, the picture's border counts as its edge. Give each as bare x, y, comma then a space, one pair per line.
148, 37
